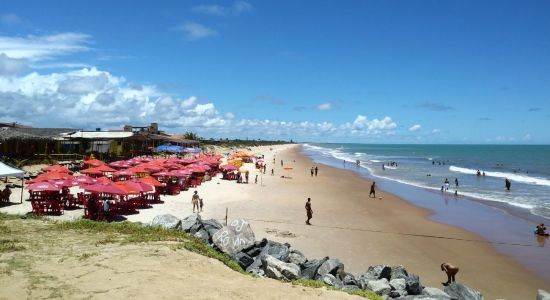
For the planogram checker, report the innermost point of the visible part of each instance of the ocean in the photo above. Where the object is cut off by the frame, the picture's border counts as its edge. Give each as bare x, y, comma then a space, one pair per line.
427, 166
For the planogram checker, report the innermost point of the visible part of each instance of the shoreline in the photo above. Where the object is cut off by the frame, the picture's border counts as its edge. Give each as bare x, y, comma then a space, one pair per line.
348, 225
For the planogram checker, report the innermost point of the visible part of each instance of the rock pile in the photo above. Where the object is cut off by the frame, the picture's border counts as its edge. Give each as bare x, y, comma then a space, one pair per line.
280, 261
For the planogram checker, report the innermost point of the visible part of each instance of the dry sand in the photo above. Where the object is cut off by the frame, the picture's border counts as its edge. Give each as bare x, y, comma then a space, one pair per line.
348, 225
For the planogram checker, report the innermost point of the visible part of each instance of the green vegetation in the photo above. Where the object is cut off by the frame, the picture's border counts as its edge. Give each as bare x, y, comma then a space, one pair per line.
9, 245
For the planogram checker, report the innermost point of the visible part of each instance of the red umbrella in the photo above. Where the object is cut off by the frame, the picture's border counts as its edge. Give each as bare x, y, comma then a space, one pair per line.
106, 189
94, 162
140, 187
123, 173
43, 186
150, 180
99, 170
64, 182
56, 168
51, 176
104, 180
83, 180
120, 164
163, 173
229, 167
91, 171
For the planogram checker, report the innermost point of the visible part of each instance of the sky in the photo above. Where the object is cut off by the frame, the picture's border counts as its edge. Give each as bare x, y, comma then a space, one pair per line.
318, 71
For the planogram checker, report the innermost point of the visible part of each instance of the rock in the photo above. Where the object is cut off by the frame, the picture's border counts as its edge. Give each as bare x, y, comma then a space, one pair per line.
309, 268
380, 287
189, 222
332, 280
421, 297
235, 237
203, 235
436, 293
196, 228
398, 272
399, 285
413, 285
277, 269
349, 279
166, 221
459, 291
331, 266
212, 226
257, 272
543, 295
378, 272
278, 250
296, 257
243, 259
350, 288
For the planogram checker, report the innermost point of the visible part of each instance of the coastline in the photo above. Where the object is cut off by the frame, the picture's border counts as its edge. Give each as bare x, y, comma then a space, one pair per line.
347, 224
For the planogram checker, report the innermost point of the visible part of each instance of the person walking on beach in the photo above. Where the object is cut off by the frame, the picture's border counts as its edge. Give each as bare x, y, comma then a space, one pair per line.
265, 168
456, 182
508, 184
309, 211
451, 272
372, 191
281, 162
195, 200
311, 171
272, 172
256, 179
316, 170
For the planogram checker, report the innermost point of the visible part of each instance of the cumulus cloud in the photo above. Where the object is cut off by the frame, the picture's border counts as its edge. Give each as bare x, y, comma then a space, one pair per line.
194, 31
363, 126
325, 106
415, 127
11, 66
237, 8
436, 130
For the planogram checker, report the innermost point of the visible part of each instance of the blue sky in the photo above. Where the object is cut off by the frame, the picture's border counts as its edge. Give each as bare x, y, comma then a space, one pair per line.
328, 71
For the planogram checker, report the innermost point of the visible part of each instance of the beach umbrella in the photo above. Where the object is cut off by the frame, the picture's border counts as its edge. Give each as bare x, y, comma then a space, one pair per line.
93, 162
93, 171
163, 173
288, 167
103, 180
141, 187
229, 167
84, 180
64, 182
51, 176
123, 173
110, 188
56, 168
188, 161
120, 164
150, 180
43, 186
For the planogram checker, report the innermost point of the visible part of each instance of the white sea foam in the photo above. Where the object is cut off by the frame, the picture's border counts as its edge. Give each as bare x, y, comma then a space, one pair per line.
512, 176
375, 160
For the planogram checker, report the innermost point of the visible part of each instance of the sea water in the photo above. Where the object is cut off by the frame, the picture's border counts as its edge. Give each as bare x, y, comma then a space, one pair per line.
427, 166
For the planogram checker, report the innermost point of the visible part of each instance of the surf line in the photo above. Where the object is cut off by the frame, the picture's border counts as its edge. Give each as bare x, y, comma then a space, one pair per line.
402, 233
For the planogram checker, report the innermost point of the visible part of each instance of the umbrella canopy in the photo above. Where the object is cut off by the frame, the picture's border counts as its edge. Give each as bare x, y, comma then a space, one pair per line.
94, 162
64, 182
169, 148
120, 164
51, 176
93, 171
150, 180
99, 170
229, 167
136, 187
188, 161
123, 173
84, 180
56, 168
106, 189
104, 180
163, 173
43, 186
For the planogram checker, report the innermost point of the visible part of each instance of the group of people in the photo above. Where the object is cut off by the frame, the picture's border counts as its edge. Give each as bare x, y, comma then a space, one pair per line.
541, 230
314, 171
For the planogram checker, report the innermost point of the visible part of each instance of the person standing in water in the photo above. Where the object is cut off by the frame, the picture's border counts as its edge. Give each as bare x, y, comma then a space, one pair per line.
507, 184
456, 182
309, 211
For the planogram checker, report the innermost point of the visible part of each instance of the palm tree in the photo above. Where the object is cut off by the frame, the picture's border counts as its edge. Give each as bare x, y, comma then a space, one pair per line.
191, 136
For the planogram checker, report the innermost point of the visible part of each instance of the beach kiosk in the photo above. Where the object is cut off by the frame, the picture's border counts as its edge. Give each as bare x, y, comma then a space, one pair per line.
7, 171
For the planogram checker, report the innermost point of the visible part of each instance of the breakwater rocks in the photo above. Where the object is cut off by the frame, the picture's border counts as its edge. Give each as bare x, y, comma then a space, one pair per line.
280, 261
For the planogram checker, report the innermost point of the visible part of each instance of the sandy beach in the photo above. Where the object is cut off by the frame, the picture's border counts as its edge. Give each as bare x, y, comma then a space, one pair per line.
347, 224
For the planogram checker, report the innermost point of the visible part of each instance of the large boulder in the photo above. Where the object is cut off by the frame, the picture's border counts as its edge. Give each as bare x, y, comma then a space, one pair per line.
257, 248
309, 268
435, 293
203, 235
190, 221
543, 295
399, 286
235, 237
414, 287
458, 291
243, 259
166, 221
331, 280
296, 257
212, 226
398, 272
380, 287
378, 272
277, 269
349, 279
277, 250
331, 266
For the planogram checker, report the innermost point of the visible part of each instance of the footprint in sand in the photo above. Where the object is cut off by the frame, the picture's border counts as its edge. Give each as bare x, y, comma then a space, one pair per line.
278, 233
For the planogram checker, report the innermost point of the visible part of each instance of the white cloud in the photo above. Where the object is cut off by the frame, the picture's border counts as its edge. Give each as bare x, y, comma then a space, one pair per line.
195, 31
324, 106
11, 66
10, 19
36, 48
237, 8
415, 127
363, 126
527, 137
436, 130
